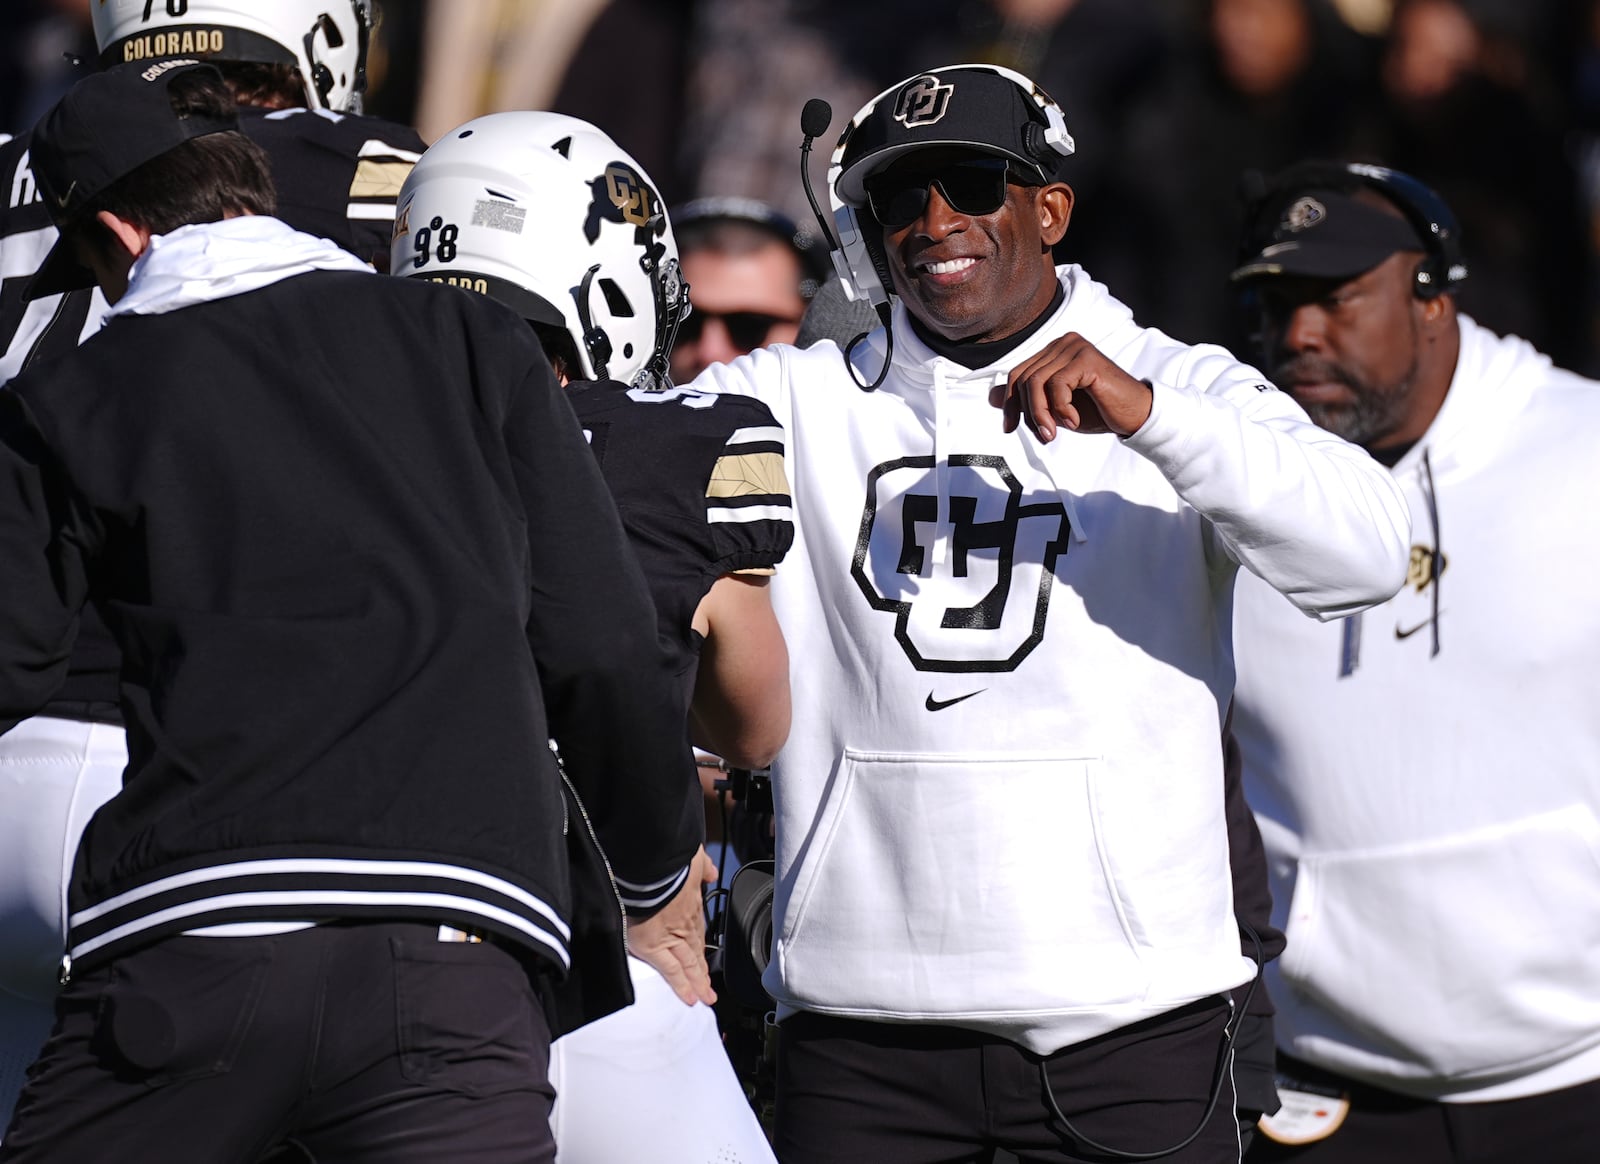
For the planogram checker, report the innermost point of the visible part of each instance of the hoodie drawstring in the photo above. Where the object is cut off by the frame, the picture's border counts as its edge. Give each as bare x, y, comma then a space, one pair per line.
1350, 639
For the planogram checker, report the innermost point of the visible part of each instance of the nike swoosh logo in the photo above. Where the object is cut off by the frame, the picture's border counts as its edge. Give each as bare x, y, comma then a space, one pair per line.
940, 704
1402, 635
62, 201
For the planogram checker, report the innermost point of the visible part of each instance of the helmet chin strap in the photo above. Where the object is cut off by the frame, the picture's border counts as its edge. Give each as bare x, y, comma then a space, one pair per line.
671, 296
321, 76
595, 340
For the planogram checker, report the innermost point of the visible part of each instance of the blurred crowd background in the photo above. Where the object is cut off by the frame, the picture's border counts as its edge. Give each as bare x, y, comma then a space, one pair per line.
1495, 103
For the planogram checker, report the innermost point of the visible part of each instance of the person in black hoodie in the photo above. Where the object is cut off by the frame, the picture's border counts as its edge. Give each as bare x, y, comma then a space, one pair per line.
362, 570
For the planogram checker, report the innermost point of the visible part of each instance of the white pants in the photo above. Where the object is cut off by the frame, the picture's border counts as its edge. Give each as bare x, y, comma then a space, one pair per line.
651, 1083
54, 774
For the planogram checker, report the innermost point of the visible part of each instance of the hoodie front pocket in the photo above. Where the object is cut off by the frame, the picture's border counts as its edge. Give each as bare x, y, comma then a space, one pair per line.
943, 884
1469, 956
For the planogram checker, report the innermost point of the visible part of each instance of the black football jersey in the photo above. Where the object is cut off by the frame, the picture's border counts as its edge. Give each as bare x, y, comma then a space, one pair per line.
699, 480
26, 236
338, 174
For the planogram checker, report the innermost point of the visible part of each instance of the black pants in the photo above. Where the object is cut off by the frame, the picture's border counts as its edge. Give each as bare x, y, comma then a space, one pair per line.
1558, 1127
350, 1043
880, 1093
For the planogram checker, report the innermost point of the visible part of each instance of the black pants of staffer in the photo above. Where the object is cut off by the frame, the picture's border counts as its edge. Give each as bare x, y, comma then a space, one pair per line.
350, 1043
1558, 1127
878, 1093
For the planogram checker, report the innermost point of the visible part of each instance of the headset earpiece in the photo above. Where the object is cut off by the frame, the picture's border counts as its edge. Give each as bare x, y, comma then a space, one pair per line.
1048, 143
859, 263
1428, 284
1445, 267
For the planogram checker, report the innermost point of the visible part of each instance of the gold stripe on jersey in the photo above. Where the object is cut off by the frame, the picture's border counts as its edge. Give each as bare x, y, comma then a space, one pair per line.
749, 475
375, 179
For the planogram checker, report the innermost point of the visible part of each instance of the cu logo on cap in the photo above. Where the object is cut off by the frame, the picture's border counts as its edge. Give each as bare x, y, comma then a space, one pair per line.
923, 102
1306, 212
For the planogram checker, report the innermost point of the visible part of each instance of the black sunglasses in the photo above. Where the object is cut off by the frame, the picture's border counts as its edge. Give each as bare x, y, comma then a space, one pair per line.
897, 197
748, 330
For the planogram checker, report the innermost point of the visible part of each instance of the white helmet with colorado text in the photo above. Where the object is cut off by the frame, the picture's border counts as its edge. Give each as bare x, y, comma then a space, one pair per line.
325, 39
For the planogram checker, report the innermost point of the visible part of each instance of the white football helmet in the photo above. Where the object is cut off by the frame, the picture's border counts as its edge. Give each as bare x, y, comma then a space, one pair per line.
549, 215
326, 39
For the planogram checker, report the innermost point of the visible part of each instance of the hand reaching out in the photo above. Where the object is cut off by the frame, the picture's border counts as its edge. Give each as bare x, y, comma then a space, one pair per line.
673, 940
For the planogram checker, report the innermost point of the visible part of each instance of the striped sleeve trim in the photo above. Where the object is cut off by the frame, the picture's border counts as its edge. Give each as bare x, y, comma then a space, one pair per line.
375, 147
381, 170
637, 898
748, 482
764, 434
748, 513
370, 211
314, 888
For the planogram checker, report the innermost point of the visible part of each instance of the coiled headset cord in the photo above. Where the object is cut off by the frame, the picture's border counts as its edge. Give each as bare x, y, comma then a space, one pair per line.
1084, 1141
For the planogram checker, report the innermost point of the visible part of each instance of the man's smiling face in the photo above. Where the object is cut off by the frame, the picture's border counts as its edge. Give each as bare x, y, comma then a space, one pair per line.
977, 277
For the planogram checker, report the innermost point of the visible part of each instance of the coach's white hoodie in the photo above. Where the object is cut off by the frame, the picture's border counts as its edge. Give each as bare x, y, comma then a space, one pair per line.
1000, 806
1432, 821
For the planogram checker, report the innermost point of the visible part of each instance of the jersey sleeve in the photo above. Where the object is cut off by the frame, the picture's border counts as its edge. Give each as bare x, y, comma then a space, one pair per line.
383, 161
26, 236
748, 510
338, 175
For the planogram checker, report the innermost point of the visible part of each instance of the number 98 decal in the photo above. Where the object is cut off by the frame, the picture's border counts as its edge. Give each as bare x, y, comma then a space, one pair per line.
424, 244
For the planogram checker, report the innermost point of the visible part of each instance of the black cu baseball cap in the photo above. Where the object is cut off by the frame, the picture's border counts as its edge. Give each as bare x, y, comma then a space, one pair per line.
108, 125
1324, 234
979, 107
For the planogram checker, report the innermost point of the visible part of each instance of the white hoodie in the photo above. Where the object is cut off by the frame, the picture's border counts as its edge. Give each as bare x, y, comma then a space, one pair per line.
213, 260
1432, 821
1000, 806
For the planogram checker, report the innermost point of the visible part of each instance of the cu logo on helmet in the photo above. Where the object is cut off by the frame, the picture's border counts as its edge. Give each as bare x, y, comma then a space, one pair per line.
923, 102
628, 195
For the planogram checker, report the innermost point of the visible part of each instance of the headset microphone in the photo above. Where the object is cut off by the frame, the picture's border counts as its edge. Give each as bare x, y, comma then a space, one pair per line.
814, 119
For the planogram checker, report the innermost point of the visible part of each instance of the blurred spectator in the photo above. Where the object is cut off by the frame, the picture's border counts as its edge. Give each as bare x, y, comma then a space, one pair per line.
1260, 83
619, 64
1103, 61
756, 63
1464, 109
40, 38
394, 60
750, 272
1576, 43
491, 56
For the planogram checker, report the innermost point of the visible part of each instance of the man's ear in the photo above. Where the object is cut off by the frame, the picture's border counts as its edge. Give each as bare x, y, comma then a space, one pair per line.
129, 236
1438, 312
1055, 211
